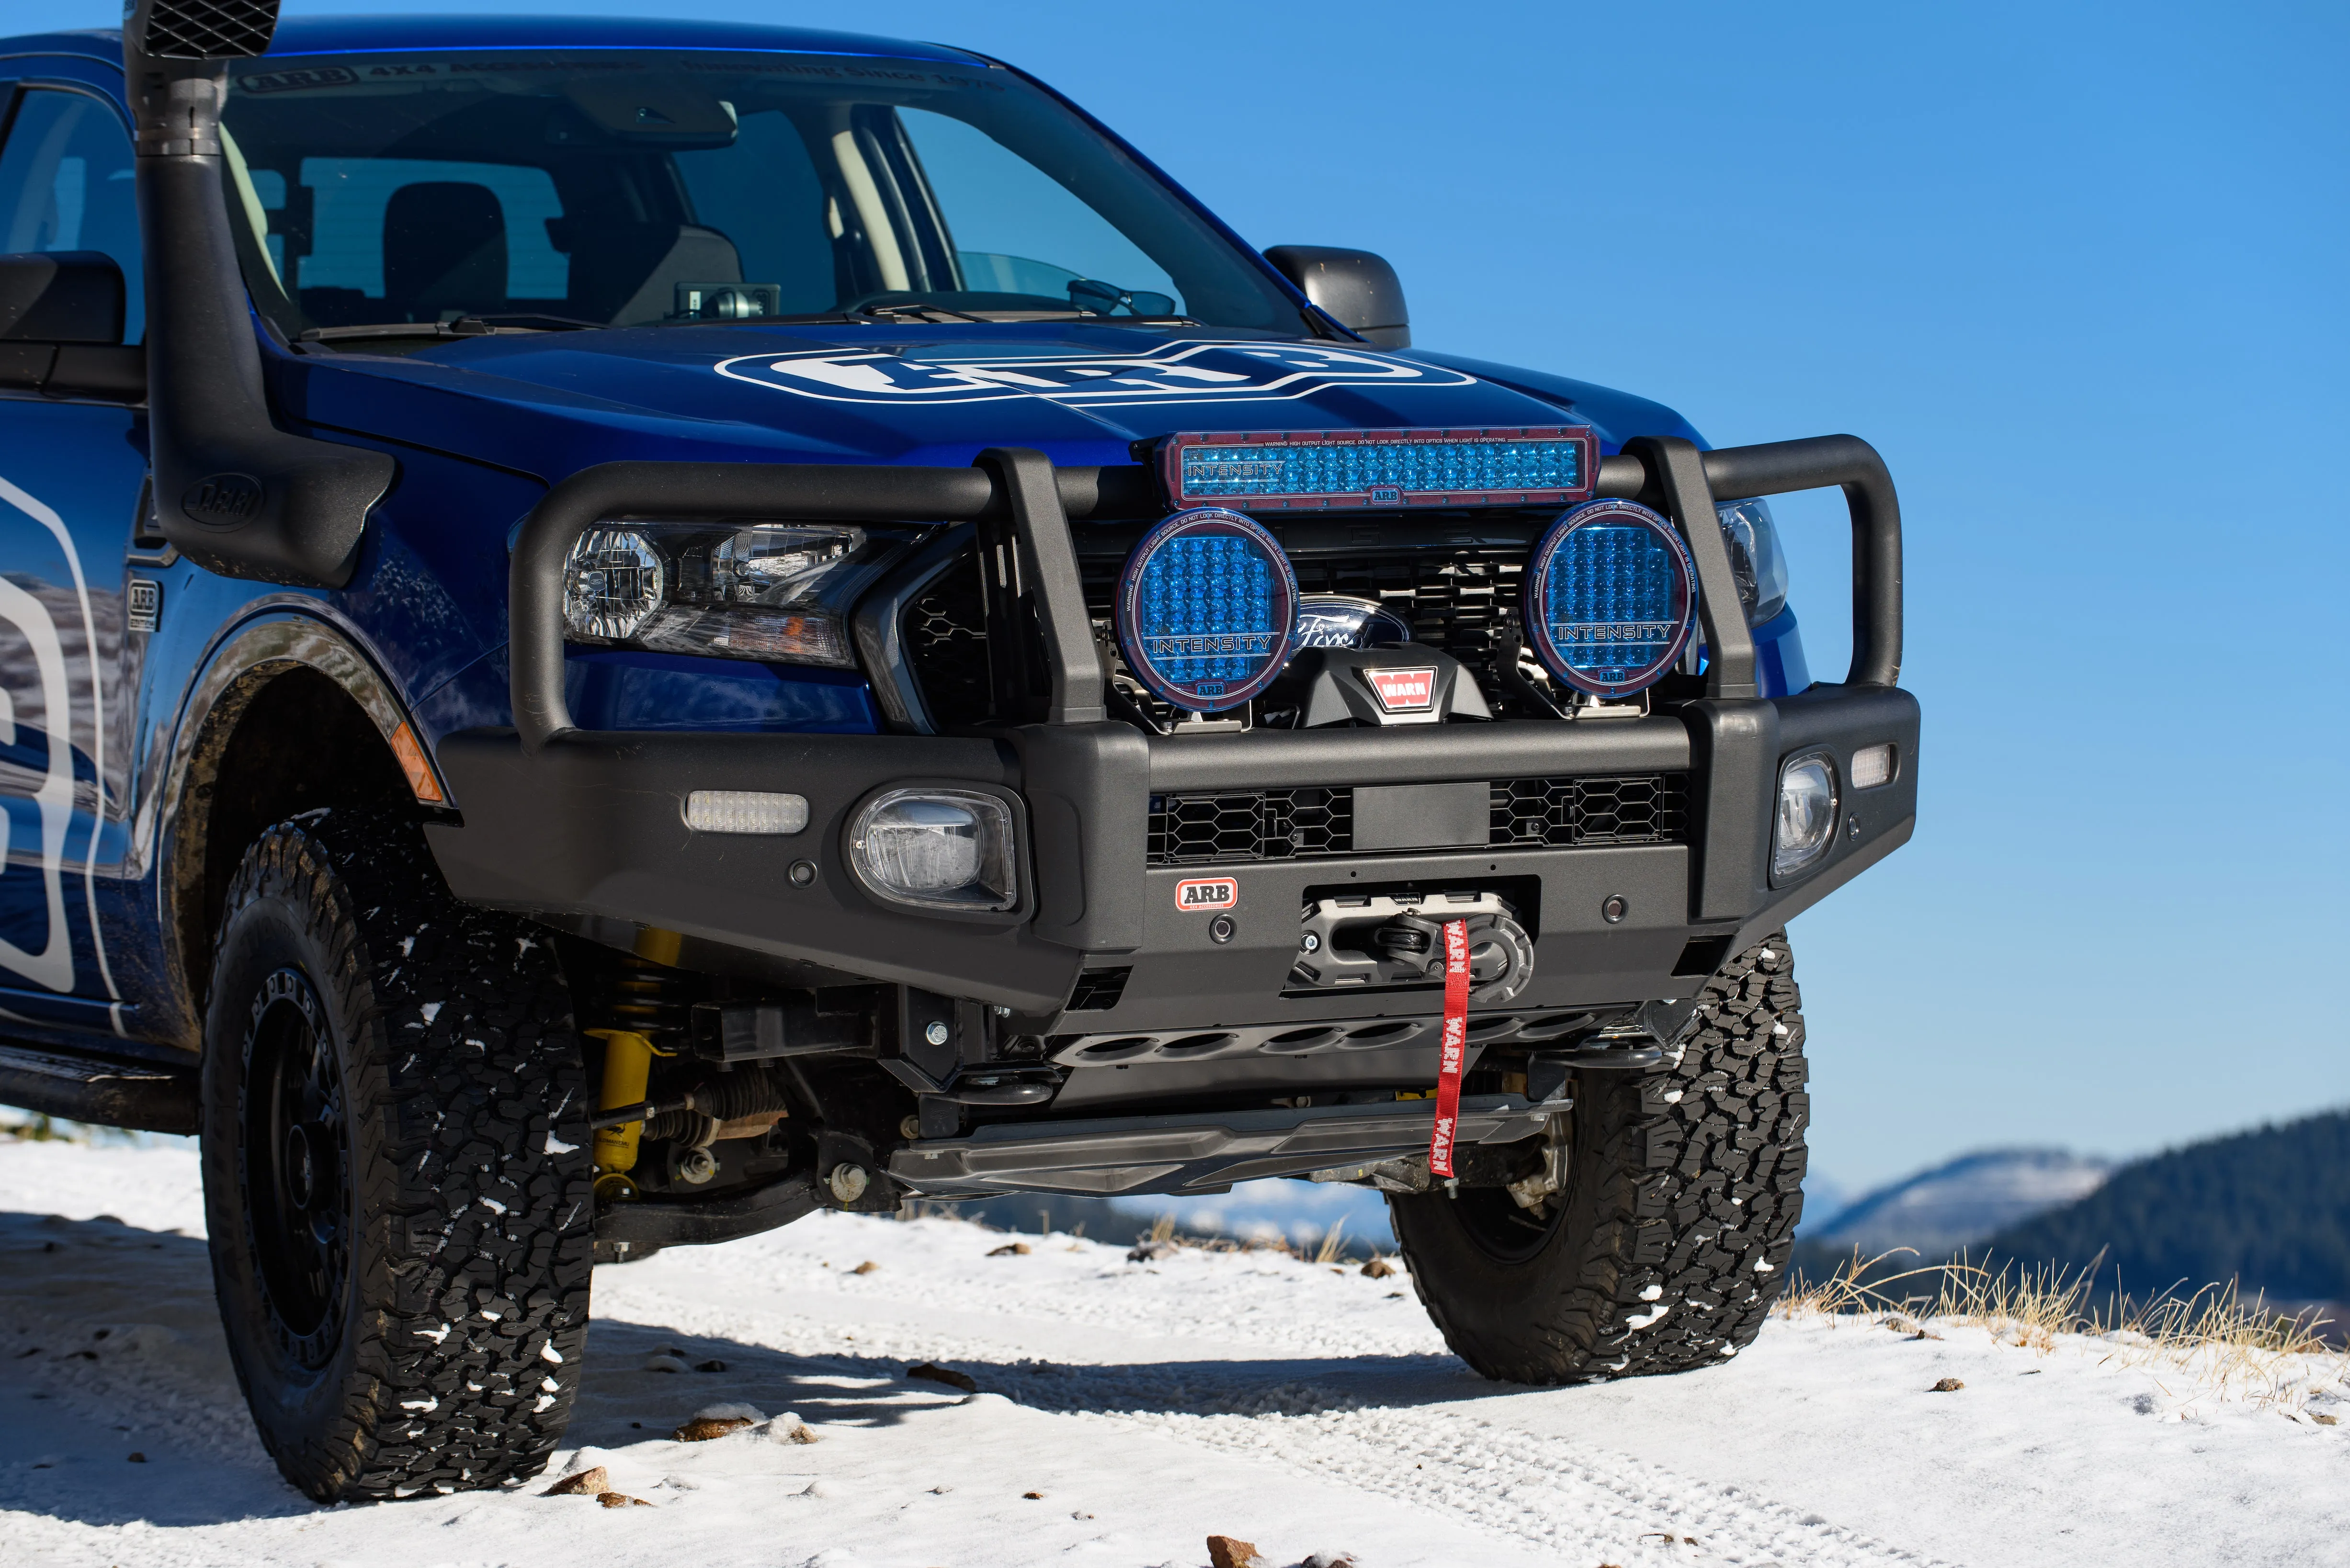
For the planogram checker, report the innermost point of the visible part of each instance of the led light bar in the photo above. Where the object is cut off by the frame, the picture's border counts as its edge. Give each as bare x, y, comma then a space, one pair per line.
1332, 469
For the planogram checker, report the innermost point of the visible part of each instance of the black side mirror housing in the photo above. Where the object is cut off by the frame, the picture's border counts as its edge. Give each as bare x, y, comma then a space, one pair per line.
62, 327
1355, 288
60, 297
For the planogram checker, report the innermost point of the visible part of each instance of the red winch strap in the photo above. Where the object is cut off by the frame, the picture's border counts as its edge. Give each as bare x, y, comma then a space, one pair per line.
1455, 1047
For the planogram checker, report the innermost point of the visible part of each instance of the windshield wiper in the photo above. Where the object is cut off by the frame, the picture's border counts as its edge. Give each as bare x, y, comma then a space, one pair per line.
464, 327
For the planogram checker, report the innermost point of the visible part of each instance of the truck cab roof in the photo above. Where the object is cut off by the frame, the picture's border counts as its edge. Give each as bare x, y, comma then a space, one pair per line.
353, 35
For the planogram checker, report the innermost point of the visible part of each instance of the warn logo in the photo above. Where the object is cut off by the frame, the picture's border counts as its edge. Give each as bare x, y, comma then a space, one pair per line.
1207, 893
1403, 690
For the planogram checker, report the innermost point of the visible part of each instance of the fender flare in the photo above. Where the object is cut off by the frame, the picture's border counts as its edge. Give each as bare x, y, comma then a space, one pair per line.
167, 838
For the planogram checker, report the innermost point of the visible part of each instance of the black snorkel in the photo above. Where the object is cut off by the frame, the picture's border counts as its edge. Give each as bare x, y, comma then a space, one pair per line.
237, 494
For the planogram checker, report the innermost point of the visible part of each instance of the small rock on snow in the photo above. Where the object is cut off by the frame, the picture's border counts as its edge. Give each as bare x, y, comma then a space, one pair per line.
1011, 1250
730, 1412
1226, 1552
866, 1267
786, 1428
1946, 1385
932, 1371
1377, 1269
593, 1482
620, 1499
663, 1361
701, 1429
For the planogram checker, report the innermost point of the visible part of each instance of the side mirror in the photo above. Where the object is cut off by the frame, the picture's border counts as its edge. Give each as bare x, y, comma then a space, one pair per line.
60, 297
62, 327
1354, 288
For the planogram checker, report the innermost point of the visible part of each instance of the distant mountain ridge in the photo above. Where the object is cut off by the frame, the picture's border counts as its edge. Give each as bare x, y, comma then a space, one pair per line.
2269, 1208
1961, 1202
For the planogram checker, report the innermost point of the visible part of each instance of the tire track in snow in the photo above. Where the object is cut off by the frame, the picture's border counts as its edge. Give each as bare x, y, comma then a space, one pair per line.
1565, 1496
1572, 1500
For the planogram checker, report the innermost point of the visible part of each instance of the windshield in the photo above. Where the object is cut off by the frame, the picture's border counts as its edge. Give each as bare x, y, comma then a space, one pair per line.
625, 188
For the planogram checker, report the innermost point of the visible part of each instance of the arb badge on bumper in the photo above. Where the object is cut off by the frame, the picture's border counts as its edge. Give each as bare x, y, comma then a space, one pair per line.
1207, 893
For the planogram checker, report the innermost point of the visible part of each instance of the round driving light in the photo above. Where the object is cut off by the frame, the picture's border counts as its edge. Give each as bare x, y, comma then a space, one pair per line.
612, 582
936, 848
1611, 598
1807, 813
1207, 609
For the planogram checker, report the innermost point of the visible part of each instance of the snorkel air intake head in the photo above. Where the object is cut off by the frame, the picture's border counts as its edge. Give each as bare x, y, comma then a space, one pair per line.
235, 493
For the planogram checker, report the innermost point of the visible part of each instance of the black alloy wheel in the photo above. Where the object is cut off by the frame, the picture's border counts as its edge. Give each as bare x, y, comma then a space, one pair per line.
294, 1167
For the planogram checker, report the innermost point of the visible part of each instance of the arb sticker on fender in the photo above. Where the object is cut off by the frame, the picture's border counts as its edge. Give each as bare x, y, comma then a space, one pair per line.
1207, 893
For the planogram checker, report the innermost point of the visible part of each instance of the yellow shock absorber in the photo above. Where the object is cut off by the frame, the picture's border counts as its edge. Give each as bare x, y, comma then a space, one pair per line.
627, 1067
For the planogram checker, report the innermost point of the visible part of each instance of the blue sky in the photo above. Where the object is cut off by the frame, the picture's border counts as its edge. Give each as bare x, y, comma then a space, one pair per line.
2079, 272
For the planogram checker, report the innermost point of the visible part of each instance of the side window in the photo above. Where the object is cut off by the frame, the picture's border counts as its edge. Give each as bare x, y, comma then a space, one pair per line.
66, 185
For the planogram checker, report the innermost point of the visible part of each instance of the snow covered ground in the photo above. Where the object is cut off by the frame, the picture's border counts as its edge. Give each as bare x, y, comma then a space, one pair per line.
1127, 1411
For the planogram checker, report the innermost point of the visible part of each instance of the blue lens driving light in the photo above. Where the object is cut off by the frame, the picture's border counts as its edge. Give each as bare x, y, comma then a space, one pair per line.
1610, 598
1207, 609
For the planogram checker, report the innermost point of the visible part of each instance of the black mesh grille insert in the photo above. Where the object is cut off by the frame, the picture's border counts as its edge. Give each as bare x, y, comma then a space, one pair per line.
946, 642
1641, 808
1250, 825
209, 30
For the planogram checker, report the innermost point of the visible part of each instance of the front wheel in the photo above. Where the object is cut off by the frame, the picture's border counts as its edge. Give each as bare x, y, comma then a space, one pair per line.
396, 1167
1663, 1236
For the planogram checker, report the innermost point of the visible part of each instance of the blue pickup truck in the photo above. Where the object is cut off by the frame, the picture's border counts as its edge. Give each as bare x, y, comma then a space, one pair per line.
613, 632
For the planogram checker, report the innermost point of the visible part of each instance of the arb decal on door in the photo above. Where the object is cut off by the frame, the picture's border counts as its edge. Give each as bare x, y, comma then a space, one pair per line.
1207, 893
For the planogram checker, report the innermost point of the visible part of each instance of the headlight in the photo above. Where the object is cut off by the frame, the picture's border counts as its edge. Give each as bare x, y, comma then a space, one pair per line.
1755, 559
937, 848
1807, 813
777, 591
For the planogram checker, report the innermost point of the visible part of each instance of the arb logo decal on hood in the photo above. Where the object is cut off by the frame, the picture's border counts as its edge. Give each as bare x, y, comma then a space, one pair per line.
1176, 373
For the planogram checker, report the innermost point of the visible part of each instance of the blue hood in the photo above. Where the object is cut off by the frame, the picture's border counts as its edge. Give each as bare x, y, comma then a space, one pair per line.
550, 403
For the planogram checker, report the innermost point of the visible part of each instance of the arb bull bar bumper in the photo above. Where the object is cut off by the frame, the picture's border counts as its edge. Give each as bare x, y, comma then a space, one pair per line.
587, 829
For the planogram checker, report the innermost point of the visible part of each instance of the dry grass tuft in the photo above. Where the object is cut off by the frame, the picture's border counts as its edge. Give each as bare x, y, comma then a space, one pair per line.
2220, 1344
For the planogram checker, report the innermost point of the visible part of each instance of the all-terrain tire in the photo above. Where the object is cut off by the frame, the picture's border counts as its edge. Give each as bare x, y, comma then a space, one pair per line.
1672, 1236
397, 1170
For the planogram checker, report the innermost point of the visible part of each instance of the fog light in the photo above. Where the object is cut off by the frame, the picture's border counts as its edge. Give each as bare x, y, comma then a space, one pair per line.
1871, 766
1807, 813
937, 848
744, 811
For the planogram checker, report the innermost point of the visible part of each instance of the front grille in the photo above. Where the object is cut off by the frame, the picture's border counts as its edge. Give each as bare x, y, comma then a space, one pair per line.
1456, 592
1452, 599
945, 635
1641, 808
1250, 824
1294, 824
